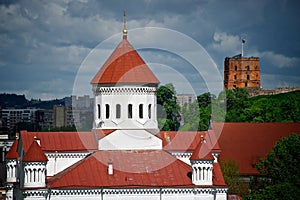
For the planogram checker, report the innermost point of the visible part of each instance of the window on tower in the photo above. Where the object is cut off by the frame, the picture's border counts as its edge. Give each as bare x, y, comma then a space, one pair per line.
149, 111
106, 111
141, 111
129, 111
118, 111
99, 111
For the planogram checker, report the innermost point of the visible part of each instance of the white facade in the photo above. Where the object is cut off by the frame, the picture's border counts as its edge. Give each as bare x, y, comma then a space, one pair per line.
58, 161
126, 107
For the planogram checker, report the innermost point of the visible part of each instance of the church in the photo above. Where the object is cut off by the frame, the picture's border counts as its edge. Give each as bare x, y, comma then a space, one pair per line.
125, 155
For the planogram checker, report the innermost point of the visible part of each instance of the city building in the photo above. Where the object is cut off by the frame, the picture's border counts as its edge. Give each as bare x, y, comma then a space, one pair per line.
241, 72
185, 99
13, 116
125, 156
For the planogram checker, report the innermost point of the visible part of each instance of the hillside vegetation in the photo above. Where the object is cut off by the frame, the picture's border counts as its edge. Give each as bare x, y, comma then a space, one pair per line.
237, 106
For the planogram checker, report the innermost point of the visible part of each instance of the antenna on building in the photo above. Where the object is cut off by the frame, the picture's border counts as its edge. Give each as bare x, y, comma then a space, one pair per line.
243, 42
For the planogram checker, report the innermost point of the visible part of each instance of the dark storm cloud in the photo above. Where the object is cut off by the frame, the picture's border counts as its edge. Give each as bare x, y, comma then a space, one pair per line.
44, 42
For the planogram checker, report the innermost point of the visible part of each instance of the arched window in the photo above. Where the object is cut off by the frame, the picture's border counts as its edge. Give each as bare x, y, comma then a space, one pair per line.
99, 111
129, 111
149, 111
141, 114
118, 111
106, 111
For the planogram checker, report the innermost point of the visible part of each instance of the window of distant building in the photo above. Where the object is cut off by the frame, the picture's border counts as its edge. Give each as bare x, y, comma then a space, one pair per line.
248, 77
247, 68
234, 77
129, 111
235, 68
107, 111
118, 111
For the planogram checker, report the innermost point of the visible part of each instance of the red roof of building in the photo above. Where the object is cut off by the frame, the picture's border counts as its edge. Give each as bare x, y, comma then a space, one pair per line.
130, 169
61, 141
12, 153
35, 154
202, 151
187, 140
246, 142
218, 178
125, 66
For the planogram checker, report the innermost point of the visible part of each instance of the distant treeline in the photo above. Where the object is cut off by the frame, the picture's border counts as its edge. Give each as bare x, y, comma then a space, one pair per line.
20, 102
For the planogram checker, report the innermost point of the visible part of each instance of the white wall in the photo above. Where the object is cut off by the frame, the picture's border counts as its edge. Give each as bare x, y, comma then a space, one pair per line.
57, 162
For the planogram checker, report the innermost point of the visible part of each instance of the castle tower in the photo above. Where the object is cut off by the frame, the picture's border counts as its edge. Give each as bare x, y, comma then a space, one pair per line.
202, 164
241, 72
34, 166
125, 91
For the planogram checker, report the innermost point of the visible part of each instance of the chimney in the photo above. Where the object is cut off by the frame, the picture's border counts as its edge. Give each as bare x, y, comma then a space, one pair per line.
110, 168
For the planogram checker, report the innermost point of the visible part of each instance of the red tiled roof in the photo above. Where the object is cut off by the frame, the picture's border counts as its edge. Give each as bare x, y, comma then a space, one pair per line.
101, 133
35, 154
187, 141
131, 169
218, 178
12, 153
202, 152
61, 141
124, 66
246, 142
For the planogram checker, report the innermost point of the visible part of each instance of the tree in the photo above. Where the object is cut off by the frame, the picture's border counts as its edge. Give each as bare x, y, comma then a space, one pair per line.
280, 169
230, 170
168, 112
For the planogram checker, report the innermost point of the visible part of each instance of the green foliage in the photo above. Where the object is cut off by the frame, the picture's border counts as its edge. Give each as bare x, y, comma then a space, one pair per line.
273, 108
280, 170
168, 113
196, 115
230, 171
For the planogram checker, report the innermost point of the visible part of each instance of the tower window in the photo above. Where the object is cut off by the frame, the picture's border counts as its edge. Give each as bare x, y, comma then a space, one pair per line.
149, 111
141, 111
106, 111
118, 111
129, 111
99, 111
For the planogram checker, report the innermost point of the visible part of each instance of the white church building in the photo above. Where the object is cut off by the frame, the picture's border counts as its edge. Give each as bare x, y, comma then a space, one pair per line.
125, 156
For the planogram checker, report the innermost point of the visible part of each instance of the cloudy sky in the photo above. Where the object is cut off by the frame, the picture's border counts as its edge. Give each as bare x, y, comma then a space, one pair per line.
44, 44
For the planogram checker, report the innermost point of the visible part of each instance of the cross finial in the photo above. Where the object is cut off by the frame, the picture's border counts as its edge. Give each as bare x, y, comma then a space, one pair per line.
124, 28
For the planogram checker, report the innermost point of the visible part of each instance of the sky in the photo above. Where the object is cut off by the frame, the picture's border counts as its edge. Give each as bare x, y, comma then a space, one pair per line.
47, 46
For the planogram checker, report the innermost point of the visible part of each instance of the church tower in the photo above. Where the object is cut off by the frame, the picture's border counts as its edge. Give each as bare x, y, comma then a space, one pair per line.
125, 95
34, 166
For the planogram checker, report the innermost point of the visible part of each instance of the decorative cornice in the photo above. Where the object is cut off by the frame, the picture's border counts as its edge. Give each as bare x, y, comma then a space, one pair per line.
138, 191
124, 90
67, 155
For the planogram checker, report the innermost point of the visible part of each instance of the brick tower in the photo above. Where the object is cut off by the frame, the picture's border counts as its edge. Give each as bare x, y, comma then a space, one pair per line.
241, 72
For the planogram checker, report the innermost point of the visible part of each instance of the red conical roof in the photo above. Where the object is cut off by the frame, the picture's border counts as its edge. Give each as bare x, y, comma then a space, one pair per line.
125, 66
35, 154
202, 151
12, 153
